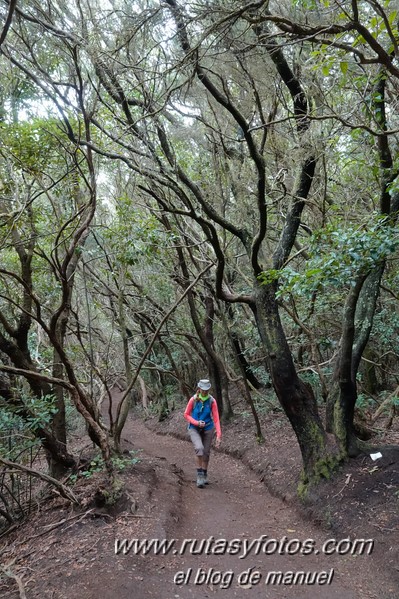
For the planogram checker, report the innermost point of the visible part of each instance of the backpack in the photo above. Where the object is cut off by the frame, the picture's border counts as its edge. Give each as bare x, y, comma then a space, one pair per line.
196, 400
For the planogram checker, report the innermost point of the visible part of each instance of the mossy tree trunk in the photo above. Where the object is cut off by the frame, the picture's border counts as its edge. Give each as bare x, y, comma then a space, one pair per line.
295, 396
356, 327
362, 299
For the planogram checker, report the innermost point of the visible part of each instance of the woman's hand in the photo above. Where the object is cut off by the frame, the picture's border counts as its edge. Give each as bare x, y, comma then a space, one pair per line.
218, 441
201, 423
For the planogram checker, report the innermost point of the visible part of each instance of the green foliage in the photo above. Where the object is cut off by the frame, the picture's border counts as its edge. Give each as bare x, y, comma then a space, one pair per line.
338, 254
364, 402
136, 235
129, 253
269, 276
41, 410
17, 428
386, 329
120, 463
34, 144
343, 65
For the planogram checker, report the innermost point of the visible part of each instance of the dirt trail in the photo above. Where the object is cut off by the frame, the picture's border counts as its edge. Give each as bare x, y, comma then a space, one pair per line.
78, 558
237, 506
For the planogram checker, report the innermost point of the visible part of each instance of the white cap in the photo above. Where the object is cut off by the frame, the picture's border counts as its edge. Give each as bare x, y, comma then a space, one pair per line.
204, 384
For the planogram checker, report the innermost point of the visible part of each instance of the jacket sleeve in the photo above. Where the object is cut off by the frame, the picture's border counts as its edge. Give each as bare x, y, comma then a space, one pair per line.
216, 421
187, 413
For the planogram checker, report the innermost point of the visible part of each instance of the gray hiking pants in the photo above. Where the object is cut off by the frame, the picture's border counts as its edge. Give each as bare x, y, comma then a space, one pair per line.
202, 441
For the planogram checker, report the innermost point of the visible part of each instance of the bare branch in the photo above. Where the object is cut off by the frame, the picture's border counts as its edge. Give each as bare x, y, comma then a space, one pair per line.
7, 24
64, 491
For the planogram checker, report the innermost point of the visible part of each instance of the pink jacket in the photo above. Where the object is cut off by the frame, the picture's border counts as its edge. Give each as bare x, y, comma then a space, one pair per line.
215, 416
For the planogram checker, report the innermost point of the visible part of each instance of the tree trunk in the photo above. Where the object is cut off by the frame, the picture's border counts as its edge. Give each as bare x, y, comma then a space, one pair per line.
58, 423
344, 410
217, 371
295, 396
244, 366
56, 452
248, 397
344, 405
362, 299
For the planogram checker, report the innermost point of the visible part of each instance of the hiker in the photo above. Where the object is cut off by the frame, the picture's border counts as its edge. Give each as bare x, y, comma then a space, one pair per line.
203, 417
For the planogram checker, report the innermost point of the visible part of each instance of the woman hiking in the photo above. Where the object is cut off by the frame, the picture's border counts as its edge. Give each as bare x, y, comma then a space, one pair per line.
203, 417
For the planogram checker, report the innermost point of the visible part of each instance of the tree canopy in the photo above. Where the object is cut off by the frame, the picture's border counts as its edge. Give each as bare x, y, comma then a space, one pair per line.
197, 187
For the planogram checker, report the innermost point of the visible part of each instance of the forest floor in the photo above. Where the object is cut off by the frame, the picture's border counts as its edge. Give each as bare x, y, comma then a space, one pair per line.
63, 552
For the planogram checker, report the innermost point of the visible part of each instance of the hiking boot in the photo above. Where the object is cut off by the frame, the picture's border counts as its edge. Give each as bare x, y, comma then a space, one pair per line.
200, 481
206, 481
